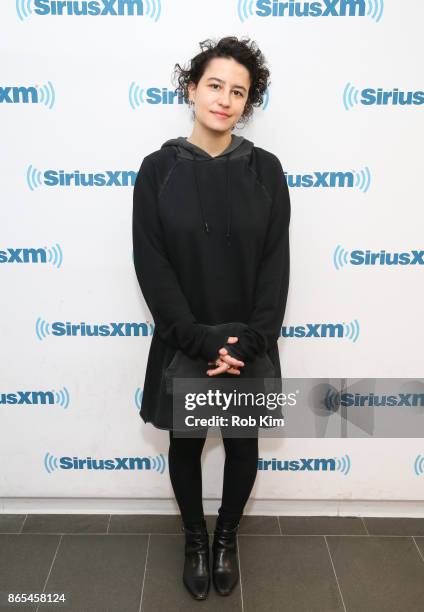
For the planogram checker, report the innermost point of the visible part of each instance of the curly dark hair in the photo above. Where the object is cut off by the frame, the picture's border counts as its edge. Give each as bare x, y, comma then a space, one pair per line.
244, 51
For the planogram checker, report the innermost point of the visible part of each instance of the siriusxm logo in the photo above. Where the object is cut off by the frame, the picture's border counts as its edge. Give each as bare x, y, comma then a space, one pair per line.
43, 94
342, 257
419, 465
60, 328
137, 96
349, 331
380, 97
43, 255
333, 400
59, 178
91, 8
52, 463
138, 396
152, 95
33, 398
323, 8
331, 464
332, 180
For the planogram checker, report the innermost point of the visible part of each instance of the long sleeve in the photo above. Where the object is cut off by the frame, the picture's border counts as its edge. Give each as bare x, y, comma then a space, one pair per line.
172, 315
271, 289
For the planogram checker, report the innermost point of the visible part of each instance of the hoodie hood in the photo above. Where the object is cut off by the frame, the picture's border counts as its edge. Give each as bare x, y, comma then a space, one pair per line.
238, 147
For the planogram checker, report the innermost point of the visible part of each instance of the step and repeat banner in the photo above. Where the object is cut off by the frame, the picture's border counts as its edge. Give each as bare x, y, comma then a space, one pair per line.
86, 93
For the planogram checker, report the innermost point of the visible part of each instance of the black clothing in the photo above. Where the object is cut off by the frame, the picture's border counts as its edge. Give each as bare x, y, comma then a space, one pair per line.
240, 470
211, 245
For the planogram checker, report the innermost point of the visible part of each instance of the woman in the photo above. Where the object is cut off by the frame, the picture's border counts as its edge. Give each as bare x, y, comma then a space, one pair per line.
211, 220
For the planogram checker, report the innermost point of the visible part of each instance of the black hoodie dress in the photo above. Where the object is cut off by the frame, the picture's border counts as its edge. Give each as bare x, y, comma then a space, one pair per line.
211, 246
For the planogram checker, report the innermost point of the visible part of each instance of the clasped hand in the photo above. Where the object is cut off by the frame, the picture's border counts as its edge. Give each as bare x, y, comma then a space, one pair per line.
225, 360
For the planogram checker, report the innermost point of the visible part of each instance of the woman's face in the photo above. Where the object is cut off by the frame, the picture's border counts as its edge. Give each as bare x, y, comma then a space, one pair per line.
221, 94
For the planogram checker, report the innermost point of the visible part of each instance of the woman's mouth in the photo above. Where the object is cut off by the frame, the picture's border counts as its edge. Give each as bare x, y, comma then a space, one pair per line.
222, 115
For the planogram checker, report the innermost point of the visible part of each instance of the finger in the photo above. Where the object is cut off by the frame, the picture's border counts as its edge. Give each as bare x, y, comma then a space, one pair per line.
221, 367
230, 369
235, 371
216, 372
225, 356
233, 361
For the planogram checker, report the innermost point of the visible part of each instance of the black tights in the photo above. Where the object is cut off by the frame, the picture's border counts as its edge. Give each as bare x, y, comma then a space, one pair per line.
240, 468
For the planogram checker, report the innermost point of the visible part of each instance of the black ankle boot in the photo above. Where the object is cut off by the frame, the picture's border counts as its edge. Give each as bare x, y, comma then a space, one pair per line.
196, 575
225, 573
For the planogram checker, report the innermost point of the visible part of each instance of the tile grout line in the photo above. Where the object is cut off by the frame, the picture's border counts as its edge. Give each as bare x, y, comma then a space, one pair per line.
23, 523
335, 575
108, 523
51, 567
144, 574
279, 525
365, 525
418, 548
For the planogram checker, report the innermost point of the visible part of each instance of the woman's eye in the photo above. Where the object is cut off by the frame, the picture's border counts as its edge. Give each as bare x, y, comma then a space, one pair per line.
236, 90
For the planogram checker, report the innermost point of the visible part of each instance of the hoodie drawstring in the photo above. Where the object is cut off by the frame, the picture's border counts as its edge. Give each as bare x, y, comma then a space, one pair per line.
227, 198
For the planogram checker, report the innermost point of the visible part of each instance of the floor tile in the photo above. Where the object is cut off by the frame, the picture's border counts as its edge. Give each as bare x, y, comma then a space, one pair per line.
321, 525
66, 523
378, 573
395, 526
288, 573
145, 523
25, 562
11, 523
102, 573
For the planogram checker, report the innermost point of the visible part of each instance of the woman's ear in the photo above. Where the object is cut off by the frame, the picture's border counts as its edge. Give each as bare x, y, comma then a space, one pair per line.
191, 89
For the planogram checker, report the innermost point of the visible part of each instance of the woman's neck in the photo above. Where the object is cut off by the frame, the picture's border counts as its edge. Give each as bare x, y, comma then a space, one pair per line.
214, 145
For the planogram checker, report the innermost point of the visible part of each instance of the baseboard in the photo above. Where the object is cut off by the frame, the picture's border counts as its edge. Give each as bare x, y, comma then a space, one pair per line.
272, 507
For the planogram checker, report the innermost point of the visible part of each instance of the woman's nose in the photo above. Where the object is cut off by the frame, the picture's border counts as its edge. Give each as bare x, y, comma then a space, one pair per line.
225, 98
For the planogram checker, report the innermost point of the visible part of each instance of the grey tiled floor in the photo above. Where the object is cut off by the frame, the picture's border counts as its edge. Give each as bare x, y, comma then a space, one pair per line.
122, 563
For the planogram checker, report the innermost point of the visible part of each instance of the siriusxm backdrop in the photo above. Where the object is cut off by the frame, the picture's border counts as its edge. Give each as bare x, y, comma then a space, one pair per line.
85, 94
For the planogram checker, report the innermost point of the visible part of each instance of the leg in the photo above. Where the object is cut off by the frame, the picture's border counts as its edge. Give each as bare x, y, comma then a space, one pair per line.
184, 459
241, 464
240, 469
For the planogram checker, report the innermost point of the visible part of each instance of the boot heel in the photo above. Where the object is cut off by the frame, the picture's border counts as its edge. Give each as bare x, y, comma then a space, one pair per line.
196, 574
